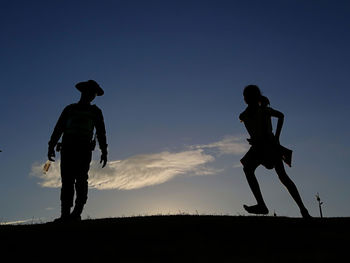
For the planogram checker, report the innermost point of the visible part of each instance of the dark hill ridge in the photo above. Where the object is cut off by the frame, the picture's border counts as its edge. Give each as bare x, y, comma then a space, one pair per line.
182, 238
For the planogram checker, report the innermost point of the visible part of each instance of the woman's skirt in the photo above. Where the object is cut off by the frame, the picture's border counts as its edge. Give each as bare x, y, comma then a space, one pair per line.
267, 154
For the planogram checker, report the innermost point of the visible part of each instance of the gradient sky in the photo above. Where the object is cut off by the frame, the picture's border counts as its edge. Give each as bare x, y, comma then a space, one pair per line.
173, 74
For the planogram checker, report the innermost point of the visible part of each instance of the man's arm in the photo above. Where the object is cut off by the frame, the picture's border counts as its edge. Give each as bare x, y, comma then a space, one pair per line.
101, 137
56, 134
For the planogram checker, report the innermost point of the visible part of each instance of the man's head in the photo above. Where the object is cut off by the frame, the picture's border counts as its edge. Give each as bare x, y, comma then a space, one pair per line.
89, 90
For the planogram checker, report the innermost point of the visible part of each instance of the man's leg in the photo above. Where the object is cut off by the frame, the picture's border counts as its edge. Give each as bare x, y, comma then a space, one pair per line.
67, 196
67, 189
81, 185
81, 188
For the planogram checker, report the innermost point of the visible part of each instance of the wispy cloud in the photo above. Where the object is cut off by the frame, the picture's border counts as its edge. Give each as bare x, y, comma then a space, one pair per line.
228, 145
19, 222
135, 172
148, 169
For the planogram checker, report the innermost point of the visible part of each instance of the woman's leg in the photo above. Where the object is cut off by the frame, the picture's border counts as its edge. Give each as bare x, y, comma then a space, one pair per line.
288, 183
260, 208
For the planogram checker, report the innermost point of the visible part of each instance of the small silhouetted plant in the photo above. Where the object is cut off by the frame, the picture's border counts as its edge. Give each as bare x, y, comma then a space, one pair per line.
320, 203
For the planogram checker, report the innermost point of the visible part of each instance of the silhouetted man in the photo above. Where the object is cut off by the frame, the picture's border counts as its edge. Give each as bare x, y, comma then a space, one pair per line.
77, 123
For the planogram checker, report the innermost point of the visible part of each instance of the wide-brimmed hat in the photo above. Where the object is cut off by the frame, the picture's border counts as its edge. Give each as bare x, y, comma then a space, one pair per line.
90, 86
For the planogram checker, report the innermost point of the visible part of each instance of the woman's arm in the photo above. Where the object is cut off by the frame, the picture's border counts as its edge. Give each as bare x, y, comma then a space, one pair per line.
280, 117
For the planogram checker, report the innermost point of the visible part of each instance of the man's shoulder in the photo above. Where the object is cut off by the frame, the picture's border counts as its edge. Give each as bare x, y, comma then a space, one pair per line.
70, 107
81, 106
88, 109
95, 108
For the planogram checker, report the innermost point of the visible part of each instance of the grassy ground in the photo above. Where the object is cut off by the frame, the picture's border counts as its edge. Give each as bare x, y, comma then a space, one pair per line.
181, 238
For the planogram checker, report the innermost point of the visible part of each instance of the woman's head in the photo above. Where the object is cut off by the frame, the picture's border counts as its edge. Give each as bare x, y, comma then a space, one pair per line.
252, 94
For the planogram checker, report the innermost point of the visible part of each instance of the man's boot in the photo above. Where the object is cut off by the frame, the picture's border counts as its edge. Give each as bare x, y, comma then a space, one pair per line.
76, 214
65, 215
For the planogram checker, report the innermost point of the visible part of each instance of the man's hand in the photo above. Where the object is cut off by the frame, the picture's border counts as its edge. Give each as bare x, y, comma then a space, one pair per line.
51, 154
103, 160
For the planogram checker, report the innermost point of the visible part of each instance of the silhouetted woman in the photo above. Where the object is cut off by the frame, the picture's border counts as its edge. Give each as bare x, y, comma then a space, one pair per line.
265, 148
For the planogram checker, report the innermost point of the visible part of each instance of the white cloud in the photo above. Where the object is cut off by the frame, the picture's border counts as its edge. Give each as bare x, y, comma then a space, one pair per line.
148, 169
229, 145
18, 222
237, 165
135, 172
52, 178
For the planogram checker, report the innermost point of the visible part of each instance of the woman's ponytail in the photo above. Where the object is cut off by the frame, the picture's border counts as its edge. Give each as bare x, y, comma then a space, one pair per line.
264, 101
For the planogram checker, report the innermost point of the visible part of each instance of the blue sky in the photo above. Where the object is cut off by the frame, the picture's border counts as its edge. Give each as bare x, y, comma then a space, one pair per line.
173, 74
